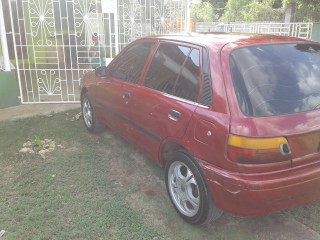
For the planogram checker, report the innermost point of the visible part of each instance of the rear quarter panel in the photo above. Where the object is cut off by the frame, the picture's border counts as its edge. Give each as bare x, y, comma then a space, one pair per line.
207, 134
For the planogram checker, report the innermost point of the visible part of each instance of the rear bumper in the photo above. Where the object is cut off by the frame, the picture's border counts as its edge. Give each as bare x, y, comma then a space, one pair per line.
261, 193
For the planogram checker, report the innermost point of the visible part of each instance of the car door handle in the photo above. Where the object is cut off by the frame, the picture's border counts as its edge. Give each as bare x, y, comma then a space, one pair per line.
126, 95
174, 115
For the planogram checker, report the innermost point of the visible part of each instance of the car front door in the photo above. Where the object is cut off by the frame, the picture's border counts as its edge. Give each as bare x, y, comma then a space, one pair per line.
116, 91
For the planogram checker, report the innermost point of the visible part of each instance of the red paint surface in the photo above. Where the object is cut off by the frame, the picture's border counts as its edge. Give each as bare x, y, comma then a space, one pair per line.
238, 188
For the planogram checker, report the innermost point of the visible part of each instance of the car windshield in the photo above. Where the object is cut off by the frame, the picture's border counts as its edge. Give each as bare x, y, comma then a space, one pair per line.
278, 79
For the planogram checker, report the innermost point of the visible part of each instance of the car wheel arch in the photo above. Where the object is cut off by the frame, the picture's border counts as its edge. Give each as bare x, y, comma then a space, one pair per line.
83, 91
168, 148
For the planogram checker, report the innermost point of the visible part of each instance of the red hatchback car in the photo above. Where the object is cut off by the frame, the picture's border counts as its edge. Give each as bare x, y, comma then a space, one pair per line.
233, 119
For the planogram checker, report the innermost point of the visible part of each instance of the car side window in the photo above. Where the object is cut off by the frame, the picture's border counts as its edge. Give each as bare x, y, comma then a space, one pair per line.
128, 67
175, 70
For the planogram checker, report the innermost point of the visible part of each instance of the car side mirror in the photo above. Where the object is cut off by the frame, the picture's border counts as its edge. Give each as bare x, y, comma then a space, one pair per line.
102, 71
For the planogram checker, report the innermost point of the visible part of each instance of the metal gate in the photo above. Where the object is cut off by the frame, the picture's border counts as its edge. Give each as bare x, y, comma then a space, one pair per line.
54, 42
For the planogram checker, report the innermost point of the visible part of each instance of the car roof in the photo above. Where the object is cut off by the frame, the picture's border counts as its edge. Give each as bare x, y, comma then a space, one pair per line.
219, 39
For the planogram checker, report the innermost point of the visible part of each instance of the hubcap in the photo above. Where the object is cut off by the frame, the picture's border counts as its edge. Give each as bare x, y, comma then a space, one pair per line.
87, 112
183, 189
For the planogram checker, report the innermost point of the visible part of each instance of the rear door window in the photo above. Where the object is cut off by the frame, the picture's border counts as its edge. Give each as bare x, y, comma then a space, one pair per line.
175, 70
271, 80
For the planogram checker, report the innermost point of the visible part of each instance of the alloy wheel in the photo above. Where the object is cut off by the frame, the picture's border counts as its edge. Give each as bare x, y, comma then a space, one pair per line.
183, 189
87, 112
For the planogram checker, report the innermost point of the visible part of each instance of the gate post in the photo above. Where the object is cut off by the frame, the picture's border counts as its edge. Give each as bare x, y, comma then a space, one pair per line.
116, 28
315, 32
4, 43
187, 25
8, 84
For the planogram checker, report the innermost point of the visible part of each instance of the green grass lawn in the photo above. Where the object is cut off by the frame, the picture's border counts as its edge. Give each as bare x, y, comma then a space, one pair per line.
97, 187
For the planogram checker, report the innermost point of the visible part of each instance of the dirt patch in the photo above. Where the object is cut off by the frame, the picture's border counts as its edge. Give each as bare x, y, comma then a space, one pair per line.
138, 158
150, 193
112, 232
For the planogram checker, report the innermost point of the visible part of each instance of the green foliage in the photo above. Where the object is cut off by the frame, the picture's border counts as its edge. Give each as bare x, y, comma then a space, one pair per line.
304, 2
218, 7
251, 10
307, 11
37, 141
234, 9
271, 10
203, 12
261, 11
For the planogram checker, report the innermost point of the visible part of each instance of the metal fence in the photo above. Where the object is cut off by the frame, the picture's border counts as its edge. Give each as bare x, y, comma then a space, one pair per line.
52, 42
301, 30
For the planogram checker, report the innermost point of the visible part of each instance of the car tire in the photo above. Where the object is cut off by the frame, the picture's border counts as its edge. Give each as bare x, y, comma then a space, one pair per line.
188, 190
89, 117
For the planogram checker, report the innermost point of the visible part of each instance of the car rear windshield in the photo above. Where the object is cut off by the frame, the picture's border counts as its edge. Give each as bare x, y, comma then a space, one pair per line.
281, 79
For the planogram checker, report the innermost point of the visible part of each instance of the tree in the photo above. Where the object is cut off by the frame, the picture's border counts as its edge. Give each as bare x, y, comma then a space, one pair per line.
251, 10
218, 7
305, 2
303, 10
203, 12
262, 11
272, 10
233, 10
214, 2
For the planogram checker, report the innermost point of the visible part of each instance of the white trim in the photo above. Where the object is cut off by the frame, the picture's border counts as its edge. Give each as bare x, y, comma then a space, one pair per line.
187, 16
116, 29
4, 42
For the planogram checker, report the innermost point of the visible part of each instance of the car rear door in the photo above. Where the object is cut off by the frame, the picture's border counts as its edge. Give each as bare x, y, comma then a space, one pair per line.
164, 104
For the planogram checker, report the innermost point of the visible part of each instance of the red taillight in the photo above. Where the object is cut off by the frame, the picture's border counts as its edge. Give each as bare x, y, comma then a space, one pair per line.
257, 150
